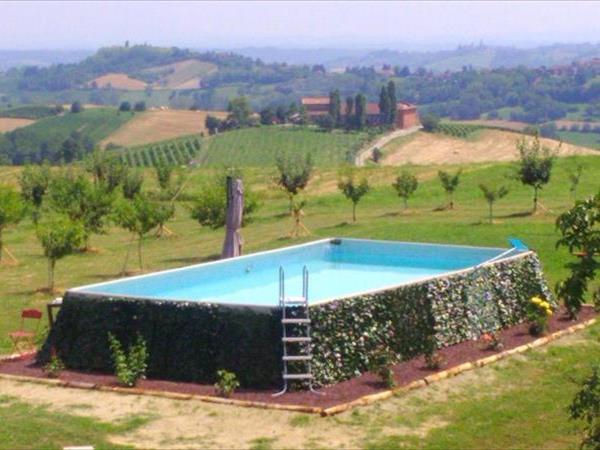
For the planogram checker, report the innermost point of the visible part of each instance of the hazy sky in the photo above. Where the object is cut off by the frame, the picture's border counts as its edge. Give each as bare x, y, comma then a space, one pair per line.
27, 25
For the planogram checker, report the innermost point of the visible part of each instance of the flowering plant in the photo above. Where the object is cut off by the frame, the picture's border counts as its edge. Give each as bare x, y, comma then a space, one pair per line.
538, 313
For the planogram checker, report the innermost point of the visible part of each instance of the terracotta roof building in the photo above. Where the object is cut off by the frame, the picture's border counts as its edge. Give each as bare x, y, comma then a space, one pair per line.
406, 113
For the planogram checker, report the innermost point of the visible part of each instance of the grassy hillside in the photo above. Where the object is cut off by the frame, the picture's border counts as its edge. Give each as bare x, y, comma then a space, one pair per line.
259, 146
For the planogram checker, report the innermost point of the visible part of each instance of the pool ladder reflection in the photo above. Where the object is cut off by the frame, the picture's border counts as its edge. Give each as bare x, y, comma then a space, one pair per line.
296, 333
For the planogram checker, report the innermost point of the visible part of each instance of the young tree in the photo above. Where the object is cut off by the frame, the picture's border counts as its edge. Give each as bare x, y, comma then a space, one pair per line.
391, 89
352, 188
139, 216
535, 165
12, 210
59, 237
360, 111
81, 202
34, 182
449, 183
574, 179
405, 185
384, 104
491, 195
132, 183
295, 171
163, 173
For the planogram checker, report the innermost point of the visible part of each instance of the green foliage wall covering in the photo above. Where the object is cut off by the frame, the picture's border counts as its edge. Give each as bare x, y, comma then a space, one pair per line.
190, 341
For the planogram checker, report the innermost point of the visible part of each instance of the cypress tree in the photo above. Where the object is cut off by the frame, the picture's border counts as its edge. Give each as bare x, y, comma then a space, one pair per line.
360, 108
391, 90
349, 111
384, 104
335, 106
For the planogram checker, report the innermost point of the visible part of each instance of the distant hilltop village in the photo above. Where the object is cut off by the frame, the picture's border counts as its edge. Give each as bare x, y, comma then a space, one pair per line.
406, 113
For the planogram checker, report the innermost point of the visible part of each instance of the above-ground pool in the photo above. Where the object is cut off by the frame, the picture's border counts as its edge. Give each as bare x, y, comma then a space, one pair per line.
362, 294
337, 268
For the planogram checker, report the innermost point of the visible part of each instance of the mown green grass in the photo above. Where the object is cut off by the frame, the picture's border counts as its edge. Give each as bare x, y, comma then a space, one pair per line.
257, 147
328, 213
25, 427
97, 123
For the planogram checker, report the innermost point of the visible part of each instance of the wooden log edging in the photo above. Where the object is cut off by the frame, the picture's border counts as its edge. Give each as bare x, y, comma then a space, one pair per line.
333, 410
453, 371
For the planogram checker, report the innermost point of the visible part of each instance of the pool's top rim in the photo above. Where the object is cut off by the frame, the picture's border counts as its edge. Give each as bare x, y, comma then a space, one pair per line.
83, 290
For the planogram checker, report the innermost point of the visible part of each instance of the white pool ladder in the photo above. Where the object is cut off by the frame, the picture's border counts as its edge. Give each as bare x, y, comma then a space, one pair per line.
301, 344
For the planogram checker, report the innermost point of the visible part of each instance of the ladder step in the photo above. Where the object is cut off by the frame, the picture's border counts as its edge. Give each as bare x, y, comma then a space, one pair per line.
297, 376
294, 300
296, 339
298, 358
293, 321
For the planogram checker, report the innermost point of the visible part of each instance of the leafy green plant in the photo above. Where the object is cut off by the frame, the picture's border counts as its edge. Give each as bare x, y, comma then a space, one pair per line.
12, 210
55, 366
586, 407
381, 362
538, 313
579, 229
295, 171
129, 366
226, 383
492, 195
535, 165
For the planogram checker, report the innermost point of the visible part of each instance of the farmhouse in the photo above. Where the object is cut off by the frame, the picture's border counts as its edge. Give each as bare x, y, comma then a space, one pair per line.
406, 113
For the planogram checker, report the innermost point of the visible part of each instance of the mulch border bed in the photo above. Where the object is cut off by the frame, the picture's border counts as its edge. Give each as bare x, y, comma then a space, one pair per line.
362, 390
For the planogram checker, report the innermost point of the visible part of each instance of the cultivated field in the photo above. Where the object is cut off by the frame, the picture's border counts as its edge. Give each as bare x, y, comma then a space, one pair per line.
10, 123
182, 75
450, 414
255, 147
153, 126
119, 81
483, 146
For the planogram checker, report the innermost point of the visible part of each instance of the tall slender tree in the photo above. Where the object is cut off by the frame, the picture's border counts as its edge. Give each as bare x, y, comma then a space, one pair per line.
360, 111
391, 90
335, 104
384, 104
349, 112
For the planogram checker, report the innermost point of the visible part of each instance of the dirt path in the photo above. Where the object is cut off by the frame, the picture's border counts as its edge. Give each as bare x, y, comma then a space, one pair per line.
367, 153
490, 145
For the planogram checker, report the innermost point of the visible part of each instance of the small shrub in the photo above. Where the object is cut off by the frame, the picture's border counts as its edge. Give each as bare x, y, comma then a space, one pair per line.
491, 341
55, 366
434, 361
129, 367
538, 313
382, 361
226, 383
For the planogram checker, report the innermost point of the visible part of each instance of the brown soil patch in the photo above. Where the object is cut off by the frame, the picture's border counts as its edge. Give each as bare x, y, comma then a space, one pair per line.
119, 81
492, 145
12, 123
153, 126
366, 384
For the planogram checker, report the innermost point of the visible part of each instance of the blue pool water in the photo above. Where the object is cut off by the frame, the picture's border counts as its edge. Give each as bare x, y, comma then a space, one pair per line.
337, 268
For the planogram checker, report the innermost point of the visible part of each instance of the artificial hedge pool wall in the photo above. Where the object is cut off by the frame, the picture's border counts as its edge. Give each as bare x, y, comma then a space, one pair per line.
190, 341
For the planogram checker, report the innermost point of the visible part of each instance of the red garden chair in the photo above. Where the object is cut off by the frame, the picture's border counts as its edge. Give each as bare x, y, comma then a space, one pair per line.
24, 336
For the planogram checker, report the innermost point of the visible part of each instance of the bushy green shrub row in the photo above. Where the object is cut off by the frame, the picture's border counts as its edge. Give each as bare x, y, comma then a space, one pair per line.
177, 152
461, 130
